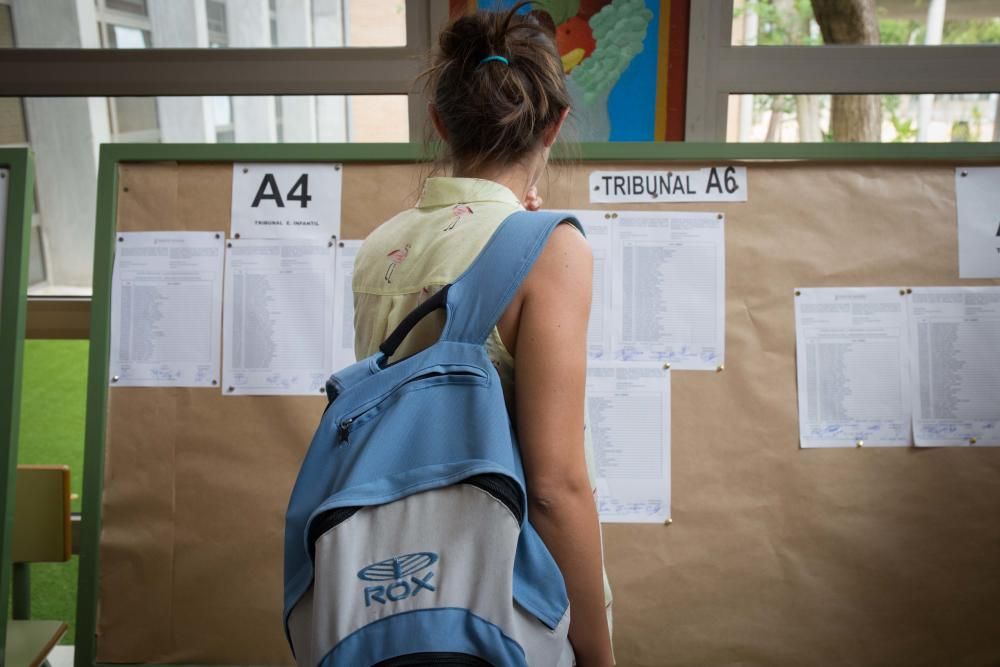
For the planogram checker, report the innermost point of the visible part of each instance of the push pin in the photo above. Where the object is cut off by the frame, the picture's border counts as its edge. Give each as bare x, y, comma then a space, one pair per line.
236, 235
121, 239
909, 291
860, 443
215, 383
245, 170
798, 293
322, 390
720, 368
719, 216
668, 522
902, 292
607, 216
666, 366
336, 167
114, 378
231, 389
218, 235
972, 441
964, 173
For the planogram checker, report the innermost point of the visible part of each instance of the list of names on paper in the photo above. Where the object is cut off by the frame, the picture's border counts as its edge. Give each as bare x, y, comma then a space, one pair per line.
343, 308
851, 351
166, 309
629, 409
278, 316
955, 361
659, 287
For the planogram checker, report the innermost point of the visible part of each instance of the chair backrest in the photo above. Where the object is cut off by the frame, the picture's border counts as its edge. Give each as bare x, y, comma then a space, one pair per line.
42, 515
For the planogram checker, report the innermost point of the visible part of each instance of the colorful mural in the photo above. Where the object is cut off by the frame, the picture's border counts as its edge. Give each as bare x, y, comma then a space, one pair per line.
614, 53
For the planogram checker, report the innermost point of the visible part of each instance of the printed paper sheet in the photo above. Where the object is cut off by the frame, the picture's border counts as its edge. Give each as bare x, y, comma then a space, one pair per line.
278, 317
955, 362
659, 287
852, 355
629, 409
977, 204
343, 311
166, 309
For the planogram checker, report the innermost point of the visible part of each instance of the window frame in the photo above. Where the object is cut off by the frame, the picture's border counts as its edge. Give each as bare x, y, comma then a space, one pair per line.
229, 71
717, 69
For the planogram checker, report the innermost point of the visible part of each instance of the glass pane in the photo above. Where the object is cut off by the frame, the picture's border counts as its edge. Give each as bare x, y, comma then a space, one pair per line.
129, 24
36, 259
897, 22
125, 37
6, 28
130, 6
66, 133
135, 114
886, 118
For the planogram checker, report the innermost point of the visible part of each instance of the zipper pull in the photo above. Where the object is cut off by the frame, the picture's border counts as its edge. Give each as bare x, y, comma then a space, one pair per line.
344, 429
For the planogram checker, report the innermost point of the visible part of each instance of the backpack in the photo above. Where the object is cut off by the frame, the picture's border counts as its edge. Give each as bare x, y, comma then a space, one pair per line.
407, 538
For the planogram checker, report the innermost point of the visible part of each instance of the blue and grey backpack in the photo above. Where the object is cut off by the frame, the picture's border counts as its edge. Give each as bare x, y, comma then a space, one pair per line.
407, 538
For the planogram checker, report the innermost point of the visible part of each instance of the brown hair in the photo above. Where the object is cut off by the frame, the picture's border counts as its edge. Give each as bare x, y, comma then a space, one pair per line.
496, 112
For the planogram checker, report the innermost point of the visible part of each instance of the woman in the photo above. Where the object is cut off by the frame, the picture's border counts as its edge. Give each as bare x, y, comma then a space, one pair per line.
499, 102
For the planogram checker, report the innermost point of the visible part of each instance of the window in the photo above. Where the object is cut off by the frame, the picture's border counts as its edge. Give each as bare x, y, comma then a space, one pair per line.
66, 133
125, 37
326, 23
899, 118
215, 11
897, 22
130, 6
761, 47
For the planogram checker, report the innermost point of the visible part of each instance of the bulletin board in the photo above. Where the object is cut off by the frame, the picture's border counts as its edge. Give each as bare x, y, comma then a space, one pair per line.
775, 556
16, 197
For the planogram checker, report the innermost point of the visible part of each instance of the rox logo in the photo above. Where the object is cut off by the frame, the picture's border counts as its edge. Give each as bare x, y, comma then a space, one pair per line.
403, 572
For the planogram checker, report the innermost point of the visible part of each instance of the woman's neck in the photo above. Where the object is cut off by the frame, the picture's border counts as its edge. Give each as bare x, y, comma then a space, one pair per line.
518, 178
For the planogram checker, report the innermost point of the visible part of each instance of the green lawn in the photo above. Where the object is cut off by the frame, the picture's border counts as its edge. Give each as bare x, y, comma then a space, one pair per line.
53, 406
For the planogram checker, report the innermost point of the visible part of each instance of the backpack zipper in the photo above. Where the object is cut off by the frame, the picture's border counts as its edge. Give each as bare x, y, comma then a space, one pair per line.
344, 429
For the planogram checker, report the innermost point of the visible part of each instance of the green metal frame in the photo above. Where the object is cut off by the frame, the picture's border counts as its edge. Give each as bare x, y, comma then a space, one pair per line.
114, 154
13, 314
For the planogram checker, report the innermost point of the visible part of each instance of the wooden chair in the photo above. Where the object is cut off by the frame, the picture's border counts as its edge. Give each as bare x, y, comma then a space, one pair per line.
41, 535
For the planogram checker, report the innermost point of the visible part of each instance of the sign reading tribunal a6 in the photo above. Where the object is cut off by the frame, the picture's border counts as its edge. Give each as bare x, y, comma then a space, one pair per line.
282, 201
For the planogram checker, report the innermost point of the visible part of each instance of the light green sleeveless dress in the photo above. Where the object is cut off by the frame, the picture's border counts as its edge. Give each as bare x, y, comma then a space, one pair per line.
414, 254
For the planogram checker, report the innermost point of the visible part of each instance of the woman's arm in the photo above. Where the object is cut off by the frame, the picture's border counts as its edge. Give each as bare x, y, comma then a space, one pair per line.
550, 362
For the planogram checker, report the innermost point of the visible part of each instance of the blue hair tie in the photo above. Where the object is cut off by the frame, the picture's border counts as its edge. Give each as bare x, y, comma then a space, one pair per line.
497, 58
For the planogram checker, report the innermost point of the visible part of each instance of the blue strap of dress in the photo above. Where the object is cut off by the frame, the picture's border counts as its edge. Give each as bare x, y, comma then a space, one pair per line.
477, 299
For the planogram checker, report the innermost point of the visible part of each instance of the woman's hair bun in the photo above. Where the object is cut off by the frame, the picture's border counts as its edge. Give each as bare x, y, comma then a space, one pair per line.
495, 112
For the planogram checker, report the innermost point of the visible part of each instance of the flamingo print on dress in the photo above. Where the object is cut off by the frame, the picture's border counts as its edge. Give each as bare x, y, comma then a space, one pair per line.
459, 211
396, 257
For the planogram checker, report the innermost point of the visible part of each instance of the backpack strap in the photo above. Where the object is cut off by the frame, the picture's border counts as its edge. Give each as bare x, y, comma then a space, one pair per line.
477, 299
